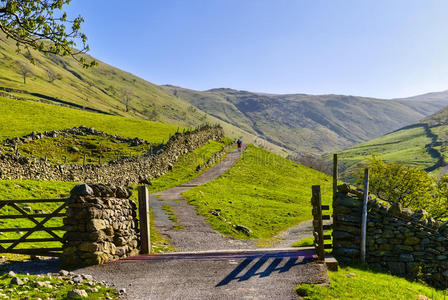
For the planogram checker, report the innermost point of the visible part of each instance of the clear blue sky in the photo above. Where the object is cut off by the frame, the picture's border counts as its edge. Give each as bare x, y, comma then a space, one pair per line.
378, 48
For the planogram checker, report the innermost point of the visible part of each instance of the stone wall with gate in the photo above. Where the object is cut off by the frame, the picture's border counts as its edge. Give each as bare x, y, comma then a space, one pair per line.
101, 225
122, 172
404, 242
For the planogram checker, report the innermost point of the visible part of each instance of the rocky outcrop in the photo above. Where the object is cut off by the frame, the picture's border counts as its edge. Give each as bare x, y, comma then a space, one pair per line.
122, 172
101, 225
399, 240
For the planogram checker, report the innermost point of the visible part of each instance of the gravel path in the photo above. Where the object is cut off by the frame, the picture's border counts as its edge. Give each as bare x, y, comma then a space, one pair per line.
197, 235
293, 234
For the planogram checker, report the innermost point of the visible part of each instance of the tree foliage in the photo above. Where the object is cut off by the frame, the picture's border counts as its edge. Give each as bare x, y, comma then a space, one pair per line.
126, 94
411, 186
23, 69
43, 26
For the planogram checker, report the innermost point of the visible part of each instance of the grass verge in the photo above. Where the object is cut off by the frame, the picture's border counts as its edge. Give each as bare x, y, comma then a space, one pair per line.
354, 282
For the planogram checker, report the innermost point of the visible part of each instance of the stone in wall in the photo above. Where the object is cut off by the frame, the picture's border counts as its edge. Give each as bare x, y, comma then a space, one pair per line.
405, 242
101, 225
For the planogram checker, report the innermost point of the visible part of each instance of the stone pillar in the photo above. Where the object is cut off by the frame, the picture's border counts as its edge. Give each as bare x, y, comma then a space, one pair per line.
101, 225
347, 209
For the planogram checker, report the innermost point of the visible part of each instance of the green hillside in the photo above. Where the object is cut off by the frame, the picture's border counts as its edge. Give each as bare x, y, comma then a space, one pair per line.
423, 145
404, 146
103, 88
306, 123
23, 117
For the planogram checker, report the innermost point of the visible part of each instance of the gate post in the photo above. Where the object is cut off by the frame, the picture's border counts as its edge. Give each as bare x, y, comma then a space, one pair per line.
318, 231
143, 206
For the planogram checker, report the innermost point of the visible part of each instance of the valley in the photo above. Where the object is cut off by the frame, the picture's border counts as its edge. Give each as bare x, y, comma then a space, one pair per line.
317, 124
115, 187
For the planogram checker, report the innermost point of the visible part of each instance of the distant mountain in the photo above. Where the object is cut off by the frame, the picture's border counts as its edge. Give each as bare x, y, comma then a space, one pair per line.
433, 97
308, 123
62, 81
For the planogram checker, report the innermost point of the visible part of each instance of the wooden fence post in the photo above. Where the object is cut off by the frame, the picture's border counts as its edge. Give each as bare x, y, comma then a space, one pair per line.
143, 205
364, 216
317, 223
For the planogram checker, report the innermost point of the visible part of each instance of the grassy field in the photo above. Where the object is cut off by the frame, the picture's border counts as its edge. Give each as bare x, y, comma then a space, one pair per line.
263, 192
23, 117
42, 287
58, 149
362, 283
403, 146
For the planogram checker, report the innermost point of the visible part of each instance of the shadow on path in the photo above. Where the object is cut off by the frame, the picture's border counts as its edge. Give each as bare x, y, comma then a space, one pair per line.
258, 264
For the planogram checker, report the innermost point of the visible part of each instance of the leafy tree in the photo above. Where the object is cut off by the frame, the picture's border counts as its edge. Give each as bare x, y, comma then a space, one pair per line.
41, 25
23, 69
52, 75
393, 182
126, 94
439, 205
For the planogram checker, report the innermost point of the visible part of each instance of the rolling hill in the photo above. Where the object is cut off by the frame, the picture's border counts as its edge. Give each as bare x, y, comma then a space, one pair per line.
307, 123
62, 81
423, 144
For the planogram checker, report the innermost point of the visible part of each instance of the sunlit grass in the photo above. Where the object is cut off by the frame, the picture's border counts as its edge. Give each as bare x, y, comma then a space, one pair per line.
362, 283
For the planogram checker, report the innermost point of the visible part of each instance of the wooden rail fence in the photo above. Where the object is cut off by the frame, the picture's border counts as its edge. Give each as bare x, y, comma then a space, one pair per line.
38, 226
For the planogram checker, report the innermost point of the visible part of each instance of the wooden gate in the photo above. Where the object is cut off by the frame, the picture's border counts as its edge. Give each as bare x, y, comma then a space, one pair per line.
44, 246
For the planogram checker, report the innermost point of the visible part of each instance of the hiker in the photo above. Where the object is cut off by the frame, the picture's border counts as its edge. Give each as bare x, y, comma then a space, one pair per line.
240, 144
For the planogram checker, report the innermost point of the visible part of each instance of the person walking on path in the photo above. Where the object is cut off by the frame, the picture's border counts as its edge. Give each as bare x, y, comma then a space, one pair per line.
240, 144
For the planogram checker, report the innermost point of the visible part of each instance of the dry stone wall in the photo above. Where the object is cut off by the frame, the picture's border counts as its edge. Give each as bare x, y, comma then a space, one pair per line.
404, 242
101, 225
122, 172
81, 131
216, 157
